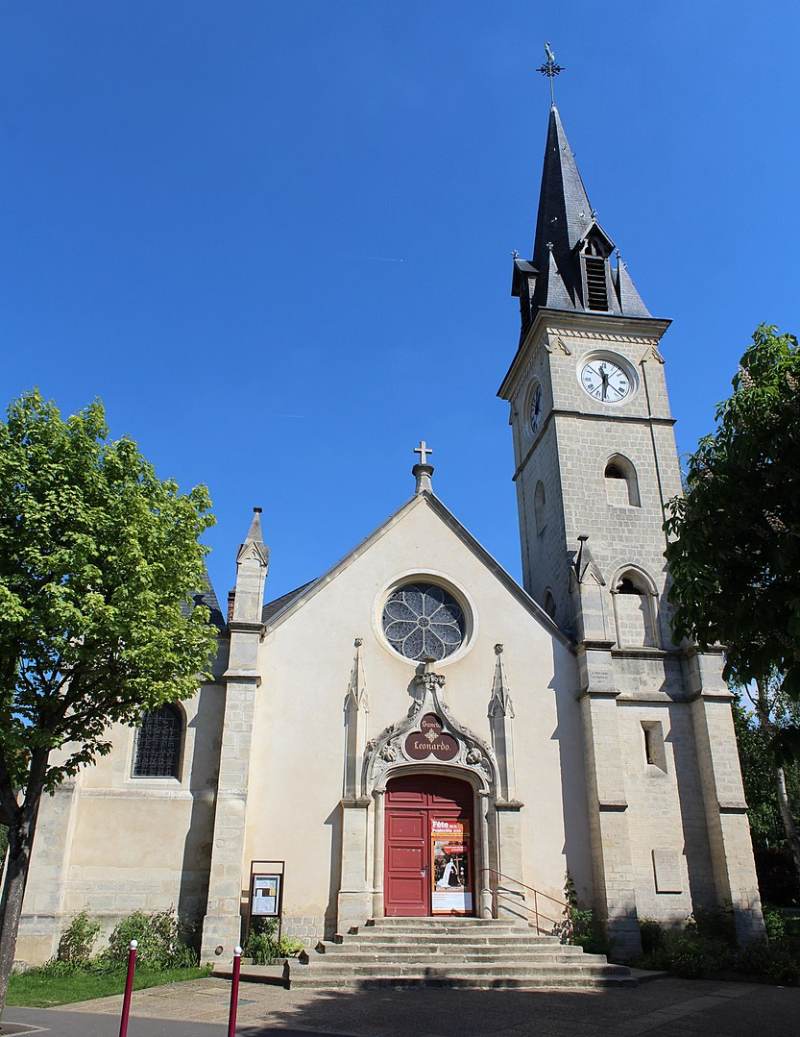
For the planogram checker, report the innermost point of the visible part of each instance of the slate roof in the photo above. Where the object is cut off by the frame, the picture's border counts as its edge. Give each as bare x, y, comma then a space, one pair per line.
272, 608
206, 595
564, 220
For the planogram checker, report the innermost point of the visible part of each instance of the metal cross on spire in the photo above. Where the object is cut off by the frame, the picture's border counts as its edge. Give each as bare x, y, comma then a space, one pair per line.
551, 69
423, 450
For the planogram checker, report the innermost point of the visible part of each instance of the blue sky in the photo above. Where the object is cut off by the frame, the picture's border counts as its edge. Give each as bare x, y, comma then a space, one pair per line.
275, 238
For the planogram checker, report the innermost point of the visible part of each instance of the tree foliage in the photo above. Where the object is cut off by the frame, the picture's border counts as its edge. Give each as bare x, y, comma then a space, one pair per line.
734, 551
99, 563
757, 757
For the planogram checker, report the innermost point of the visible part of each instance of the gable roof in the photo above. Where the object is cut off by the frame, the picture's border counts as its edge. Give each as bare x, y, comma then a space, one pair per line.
275, 612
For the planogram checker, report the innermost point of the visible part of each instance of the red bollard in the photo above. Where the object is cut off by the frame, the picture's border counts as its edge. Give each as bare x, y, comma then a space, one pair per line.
237, 966
126, 1000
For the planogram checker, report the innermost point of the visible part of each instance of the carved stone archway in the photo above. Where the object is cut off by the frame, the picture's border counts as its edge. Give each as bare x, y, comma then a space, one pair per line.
455, 751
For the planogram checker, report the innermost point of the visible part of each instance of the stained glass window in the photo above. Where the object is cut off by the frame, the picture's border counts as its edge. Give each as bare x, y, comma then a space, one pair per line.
158, 744
421, 620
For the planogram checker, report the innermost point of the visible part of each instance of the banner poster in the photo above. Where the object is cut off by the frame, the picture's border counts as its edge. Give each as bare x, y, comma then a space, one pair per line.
452, 882
265, 895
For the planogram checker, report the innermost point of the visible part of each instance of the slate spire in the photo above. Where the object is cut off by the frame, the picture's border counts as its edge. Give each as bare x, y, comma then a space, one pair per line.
571, 264
564, 208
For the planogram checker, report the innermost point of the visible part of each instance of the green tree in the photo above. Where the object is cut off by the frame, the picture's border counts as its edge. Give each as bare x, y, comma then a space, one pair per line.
771, 784
734, 550
734, 553
99, 560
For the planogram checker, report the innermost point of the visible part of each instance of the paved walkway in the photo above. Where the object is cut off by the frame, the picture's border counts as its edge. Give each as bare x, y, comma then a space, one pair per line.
674, 1007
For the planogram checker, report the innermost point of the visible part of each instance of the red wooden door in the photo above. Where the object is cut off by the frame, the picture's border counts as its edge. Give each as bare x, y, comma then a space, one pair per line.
407, 862
412, 804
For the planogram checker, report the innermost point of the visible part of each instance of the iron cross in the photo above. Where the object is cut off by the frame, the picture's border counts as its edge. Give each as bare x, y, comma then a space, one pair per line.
423, 450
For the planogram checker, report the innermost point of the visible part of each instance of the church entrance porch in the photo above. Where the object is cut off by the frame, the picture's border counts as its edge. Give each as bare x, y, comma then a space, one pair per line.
428, 850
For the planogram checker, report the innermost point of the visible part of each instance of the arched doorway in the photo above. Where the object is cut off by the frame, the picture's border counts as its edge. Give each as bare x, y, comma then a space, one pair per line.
428, 853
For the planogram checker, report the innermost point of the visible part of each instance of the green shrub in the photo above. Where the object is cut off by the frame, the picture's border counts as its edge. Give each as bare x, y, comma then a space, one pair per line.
160, 943
261, 944
693, 956
57, 967
652, 934
792, 924
287, 947
714, 923
77, 940
774, 923
778, 961
705, 948
579, 926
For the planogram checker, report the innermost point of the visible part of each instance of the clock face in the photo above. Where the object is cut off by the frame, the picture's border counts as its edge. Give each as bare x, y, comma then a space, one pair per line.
605, 381
535, 416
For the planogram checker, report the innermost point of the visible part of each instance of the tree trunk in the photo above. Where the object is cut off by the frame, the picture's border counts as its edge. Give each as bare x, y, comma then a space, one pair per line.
763, 712
789, 825
20, 841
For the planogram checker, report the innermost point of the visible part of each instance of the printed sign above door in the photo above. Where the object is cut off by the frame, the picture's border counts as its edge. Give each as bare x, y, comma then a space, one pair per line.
431, 740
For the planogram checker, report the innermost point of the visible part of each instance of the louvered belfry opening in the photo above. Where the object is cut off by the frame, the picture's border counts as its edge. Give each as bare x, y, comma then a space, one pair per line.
596, 286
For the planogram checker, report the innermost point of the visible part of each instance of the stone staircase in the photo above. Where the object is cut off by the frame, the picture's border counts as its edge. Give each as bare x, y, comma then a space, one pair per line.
476, 953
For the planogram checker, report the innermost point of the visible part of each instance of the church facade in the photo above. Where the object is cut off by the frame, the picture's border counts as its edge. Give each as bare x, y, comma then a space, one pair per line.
414, 733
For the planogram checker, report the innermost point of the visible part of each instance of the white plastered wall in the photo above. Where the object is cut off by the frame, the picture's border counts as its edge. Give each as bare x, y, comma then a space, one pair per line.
124, 843
293, 811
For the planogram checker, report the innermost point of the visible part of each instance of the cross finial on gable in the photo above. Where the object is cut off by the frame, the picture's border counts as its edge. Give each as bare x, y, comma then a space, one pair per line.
423, 450
423, 470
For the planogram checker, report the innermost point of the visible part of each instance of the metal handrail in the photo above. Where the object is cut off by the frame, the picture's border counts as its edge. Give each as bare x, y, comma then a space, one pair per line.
521, 904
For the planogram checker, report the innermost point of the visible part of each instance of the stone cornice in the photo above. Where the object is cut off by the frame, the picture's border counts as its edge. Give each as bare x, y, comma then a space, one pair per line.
242, 677
239, 626
646, 331
362, 802
643, 652
736, 806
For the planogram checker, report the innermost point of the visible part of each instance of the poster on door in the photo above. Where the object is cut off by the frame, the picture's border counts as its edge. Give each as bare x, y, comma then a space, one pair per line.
450, 853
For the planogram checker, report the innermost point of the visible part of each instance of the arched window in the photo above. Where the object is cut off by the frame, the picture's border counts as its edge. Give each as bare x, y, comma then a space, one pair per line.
622, 486
159, 742
634, 608
549, 603
539, 502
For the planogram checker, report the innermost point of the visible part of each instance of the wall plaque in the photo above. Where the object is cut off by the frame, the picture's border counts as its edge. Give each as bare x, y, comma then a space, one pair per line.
431, 740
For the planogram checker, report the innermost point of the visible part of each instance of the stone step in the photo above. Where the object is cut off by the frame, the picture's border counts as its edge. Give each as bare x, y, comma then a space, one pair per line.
457, 981
450, 921
323, 969
475, 935
424, 950
477, 953
478, 939
498, 961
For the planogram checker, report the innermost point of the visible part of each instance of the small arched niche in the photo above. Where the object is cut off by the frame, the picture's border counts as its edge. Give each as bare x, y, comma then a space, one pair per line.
622, 485
549, 603
634, 610
539, 507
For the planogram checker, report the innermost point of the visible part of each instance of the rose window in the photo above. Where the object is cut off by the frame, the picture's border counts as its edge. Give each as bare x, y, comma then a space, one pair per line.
421, 621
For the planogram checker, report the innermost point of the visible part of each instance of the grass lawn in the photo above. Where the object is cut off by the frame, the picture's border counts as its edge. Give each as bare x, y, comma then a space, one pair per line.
37, 989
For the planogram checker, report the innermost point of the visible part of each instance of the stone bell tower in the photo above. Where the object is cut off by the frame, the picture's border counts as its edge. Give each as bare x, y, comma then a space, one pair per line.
594, 464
